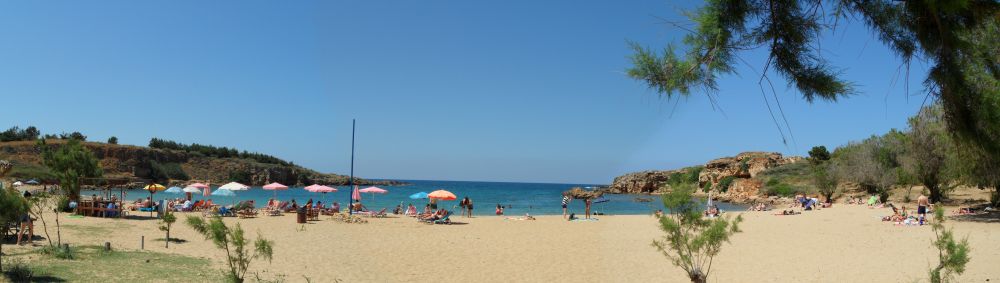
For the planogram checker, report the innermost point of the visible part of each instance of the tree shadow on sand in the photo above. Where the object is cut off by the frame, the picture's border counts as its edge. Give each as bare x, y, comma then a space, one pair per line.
988, 217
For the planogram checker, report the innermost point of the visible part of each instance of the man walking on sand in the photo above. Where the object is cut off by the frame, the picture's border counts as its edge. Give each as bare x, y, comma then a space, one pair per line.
922, 204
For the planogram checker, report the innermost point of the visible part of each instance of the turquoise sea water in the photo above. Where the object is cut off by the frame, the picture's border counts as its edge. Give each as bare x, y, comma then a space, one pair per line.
534, 198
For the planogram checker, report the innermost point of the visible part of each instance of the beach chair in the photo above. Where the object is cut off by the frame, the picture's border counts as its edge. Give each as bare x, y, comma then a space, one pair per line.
380, 213
246, 213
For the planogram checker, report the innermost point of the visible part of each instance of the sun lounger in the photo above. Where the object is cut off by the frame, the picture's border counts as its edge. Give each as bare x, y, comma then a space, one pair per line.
248, 212
380, 213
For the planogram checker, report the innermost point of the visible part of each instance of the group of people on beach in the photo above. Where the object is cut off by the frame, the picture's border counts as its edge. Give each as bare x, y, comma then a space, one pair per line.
901, 216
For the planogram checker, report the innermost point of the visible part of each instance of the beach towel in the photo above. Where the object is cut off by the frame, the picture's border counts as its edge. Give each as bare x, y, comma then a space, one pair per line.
584, 219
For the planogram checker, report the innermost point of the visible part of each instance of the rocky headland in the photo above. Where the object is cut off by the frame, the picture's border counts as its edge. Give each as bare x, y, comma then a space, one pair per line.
738, 172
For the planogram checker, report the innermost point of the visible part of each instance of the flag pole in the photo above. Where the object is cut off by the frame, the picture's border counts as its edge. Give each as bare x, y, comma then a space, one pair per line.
350, 181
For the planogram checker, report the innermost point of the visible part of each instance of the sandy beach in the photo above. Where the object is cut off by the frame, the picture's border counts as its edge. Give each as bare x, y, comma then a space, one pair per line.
840, 244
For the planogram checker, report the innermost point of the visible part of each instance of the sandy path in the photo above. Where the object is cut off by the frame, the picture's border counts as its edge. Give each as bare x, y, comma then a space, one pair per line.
843, 244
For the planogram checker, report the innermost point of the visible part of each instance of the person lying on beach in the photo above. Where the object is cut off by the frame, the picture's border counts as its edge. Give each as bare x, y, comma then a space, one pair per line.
788, 212
965, 210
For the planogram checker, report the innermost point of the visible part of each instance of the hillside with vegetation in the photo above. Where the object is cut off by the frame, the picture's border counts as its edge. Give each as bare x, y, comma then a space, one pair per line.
899, 165
162, 161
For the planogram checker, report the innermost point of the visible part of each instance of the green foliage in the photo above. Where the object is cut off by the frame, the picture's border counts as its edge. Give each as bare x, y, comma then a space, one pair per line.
825, 182
60, 252
953, 255
212, 151
113, 140
779, 189
70, 162
692, 174
62, 204
232, 240
239, 176
692, 241
772, 182
19, 272
165, 171
12, 206
166, 221
819, 154
17, 134
723, 185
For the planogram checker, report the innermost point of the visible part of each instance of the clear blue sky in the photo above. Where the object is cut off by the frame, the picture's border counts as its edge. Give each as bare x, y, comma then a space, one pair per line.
446, 90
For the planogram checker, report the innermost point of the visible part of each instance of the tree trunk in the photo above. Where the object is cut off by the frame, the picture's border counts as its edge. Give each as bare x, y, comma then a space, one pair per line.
58, 232
698, 278
936, 195
45, 227
168, 238
1, 247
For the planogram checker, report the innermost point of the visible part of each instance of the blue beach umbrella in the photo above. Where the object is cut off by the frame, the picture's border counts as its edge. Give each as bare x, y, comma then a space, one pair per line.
223, 193
174, 190
420, 195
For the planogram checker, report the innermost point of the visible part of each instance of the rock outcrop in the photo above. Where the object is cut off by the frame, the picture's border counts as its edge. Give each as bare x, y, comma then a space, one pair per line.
742, 168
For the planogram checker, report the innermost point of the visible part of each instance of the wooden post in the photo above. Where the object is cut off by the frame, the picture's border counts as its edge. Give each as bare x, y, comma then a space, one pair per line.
142, 242
107, 246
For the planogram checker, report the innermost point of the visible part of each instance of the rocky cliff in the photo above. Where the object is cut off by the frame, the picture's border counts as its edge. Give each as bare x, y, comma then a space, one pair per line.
126, 161
741, 169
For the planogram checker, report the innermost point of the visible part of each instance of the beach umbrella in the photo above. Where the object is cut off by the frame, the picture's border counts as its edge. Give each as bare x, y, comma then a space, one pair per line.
189, 191
32, 182
174, 190
320, 189
420, 195
234, 186
356, 195
197, 185
18, 183
152, 189
275, 187
373, 191
224, 193
441, 195
207, 189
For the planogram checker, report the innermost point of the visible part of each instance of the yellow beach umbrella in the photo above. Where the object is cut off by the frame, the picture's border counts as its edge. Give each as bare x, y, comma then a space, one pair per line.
153, 188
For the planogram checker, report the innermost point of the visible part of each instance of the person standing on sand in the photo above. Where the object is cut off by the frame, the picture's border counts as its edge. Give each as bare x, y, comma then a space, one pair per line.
922, 204
587, 203
565, 202
468, 205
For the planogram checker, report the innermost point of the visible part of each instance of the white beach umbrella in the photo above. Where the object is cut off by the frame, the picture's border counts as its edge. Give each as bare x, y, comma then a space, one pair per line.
234, 186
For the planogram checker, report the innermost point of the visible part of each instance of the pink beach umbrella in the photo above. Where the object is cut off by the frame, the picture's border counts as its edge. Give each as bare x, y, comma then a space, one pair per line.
320, 189
206, 189
373, 191
355, 195
275, 187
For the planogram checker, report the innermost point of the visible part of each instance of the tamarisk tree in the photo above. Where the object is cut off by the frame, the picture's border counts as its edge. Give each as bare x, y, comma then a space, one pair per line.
692, 241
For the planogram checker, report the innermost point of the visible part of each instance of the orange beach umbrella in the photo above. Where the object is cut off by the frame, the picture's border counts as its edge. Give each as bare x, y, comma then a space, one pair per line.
441, 195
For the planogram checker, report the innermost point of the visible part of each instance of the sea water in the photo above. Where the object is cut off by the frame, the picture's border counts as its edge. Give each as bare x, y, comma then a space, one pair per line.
516, 198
